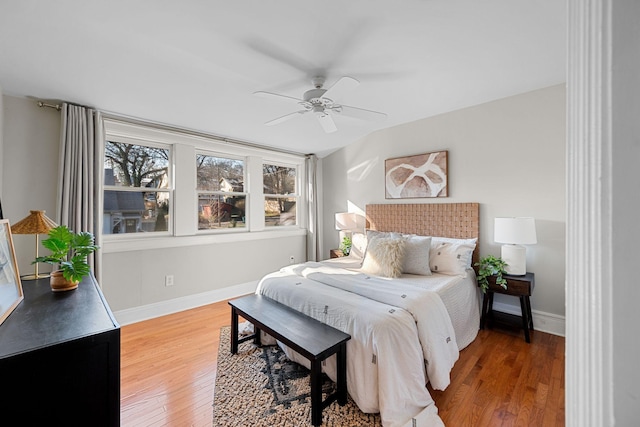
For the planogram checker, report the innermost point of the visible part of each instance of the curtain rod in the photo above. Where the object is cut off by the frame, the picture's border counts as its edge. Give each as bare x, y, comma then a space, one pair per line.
133, 120
163, 126
44, 104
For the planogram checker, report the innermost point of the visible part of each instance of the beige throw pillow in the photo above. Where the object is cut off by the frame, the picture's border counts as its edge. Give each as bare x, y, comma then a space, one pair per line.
416, 255
384, 257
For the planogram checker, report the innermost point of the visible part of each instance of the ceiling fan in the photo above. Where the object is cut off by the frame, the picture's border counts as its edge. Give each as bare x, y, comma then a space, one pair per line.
322, 103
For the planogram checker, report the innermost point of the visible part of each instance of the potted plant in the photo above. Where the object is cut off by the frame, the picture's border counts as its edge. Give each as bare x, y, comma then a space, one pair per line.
491, 266
345, 245
69, 252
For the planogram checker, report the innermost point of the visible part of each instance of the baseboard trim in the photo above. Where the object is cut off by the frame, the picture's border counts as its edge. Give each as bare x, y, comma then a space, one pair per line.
542, 321
150, 311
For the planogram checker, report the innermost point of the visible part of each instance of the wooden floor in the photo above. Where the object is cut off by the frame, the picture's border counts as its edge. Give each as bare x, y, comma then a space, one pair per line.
169, 368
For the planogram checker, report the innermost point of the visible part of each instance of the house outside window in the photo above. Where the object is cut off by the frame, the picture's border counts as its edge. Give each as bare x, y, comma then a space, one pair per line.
280, 194
222, 198
137, 188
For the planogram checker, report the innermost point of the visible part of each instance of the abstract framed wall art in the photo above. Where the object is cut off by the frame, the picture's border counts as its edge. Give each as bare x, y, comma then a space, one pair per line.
422, 175
10, 286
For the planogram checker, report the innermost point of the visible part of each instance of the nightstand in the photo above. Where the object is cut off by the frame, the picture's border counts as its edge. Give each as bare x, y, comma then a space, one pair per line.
335, 253
517, 286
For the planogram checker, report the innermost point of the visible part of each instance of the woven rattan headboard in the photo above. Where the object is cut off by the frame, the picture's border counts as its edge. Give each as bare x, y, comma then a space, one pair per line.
458, 220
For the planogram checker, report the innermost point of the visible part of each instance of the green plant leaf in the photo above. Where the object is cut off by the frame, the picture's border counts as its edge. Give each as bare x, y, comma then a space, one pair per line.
345, 245
61, 233
69, 251
491, 266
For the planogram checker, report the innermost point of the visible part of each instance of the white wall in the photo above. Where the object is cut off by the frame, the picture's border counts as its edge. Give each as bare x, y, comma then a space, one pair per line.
508, 155
137, 278
29, 169
1, 139
625, 176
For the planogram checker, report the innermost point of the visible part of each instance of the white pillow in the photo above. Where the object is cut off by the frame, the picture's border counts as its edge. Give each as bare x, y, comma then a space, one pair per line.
438, 239
450, 258
384, 256
375, 233
416, 255
435, 241
358, 245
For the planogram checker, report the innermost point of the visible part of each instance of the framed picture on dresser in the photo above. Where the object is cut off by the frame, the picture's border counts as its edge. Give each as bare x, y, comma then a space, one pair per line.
10, 286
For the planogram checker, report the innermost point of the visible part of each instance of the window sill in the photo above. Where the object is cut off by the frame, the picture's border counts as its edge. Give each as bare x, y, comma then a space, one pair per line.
163, 242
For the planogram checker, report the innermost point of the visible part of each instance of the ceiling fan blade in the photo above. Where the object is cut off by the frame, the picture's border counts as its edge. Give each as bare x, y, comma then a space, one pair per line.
284, 118
343, 85
327, 123
276, 95
359, 113
280, 54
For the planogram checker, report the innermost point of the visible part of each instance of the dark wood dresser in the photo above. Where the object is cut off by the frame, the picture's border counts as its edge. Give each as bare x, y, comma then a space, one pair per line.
60, 358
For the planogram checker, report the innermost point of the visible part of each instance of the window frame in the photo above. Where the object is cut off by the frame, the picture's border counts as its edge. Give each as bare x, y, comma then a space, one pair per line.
184, 199
169, 191
296, 195
247, 227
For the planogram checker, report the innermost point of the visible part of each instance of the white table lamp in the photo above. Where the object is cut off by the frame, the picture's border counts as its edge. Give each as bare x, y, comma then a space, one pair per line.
348, 222
513, 233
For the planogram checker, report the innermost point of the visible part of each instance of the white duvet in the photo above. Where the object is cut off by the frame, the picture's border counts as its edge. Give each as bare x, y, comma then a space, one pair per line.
395, 327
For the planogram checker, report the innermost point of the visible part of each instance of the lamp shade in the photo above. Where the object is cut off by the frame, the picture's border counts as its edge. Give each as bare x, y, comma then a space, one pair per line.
36, 223
518, 231
347, 221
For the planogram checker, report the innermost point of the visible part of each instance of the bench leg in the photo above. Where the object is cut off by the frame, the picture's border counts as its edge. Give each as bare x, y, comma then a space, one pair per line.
256, 336
234, 331
342, 374
316, 392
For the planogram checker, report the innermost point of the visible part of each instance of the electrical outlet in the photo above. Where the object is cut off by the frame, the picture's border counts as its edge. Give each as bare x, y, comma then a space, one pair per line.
292, 259
168, 280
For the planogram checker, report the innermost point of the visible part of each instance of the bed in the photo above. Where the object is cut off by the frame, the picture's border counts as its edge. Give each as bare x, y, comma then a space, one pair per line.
408, 320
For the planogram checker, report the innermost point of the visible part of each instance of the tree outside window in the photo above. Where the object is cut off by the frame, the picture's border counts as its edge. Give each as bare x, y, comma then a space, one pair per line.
280, 194
137, 188
221, 192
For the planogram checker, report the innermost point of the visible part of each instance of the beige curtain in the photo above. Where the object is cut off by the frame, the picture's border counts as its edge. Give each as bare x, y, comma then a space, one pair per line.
311, 163
80, 169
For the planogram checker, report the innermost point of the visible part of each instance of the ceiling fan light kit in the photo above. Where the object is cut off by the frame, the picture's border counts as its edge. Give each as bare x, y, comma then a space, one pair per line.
321, 102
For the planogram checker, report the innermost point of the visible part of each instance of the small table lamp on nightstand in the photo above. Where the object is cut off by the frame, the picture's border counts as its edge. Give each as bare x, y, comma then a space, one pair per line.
348, 222
36, 223
513, 233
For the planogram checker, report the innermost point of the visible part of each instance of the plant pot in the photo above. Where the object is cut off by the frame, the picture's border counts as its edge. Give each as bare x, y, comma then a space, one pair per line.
60, 284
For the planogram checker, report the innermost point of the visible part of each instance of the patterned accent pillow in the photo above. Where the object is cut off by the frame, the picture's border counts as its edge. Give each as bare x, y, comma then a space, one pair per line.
451, 258
384, 256
436, 240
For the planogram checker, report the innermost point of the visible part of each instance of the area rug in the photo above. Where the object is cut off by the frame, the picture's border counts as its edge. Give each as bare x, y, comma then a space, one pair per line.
260, 387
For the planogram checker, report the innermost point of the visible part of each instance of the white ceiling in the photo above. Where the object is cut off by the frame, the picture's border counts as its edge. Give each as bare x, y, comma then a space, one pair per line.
196, 63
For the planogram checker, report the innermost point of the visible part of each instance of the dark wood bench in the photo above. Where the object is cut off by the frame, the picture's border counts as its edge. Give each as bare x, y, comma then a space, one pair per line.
311, 338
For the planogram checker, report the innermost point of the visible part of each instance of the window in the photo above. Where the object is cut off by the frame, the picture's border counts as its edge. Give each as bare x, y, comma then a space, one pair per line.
137, 188
280, 195
221, 192
166, 188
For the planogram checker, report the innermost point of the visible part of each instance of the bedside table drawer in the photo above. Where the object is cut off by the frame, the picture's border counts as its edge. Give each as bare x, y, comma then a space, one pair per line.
516, 285
336, 253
